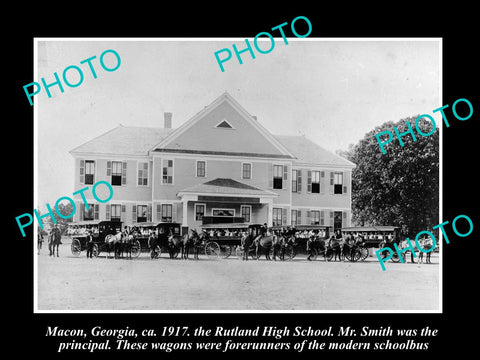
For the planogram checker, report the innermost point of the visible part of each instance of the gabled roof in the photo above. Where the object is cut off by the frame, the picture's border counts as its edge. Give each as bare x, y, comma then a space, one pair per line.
124, 140
308, 152
223, 186
170, 142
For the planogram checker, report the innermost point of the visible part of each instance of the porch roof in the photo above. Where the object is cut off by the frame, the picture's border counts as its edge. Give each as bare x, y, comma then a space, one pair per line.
226, 187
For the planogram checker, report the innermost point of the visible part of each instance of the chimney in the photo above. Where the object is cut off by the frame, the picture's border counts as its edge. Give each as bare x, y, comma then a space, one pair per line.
167, 120
254, 117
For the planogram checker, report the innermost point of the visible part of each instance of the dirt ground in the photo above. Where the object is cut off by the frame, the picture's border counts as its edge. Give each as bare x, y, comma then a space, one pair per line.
78, 283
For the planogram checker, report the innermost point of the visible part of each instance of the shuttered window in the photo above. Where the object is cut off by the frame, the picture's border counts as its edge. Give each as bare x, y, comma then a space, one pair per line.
277, 216
299, 181
294, 180
277, 176
293, 219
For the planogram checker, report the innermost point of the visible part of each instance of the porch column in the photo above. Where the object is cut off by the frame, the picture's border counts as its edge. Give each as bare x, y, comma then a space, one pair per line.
270, 212
184, 212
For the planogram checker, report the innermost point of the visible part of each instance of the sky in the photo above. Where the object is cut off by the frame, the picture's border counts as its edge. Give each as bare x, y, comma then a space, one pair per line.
333, 91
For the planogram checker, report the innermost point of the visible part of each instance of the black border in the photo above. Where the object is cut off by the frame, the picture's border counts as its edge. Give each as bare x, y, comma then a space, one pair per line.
26, 330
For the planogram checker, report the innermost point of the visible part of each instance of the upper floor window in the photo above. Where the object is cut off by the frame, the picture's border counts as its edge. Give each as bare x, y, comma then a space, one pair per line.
201, 168
277, 176
246, 171
142, 174
338, 183
116, 173
89, 172
316, 182
294, 181
167, 172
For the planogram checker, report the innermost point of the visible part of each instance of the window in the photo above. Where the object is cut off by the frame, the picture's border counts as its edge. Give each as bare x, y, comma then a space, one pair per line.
246, 171
90, 213
223, 212
315, 217
224, 124
201, 168
294, 181
199, 212
167, 212
116, 173
167, 172
142, 173
338, 183
277, 217
89, 172
277, 176
115, 211
316, 182
294, 218
141, 213
246, 212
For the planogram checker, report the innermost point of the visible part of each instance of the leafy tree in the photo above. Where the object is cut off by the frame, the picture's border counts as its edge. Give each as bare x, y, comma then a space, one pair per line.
400, 188
65, 210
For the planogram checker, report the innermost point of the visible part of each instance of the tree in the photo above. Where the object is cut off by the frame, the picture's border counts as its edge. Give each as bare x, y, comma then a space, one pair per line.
65, 210
400, 188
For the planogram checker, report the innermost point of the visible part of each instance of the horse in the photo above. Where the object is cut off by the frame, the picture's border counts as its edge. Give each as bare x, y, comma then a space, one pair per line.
334, 246
174, 242
128, 241
115, 243
54, 240
195, 241
278, 246
264, 242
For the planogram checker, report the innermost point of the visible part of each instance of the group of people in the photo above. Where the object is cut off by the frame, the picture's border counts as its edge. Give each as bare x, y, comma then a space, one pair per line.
54, 237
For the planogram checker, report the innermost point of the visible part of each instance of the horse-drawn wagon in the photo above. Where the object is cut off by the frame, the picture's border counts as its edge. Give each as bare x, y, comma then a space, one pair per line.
224, 239
375, 237
100, 231
272, 242
315, 238
159, 233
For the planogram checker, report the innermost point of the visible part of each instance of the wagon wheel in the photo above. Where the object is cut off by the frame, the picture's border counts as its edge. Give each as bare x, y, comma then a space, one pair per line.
346, 255
312, 256
136, 249
212, 250
227, 251
328, 254
395, 257
95, 250
357, 255
364, 253
291, 251
76, 247
239, 252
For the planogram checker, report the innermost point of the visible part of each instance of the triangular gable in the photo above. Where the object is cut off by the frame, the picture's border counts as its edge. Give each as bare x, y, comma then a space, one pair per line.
240, 132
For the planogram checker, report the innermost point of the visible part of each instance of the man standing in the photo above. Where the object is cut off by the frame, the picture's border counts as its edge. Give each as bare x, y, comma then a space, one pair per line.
89, 244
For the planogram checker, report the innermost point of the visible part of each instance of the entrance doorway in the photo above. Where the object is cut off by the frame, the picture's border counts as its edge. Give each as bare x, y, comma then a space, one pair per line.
337, 220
